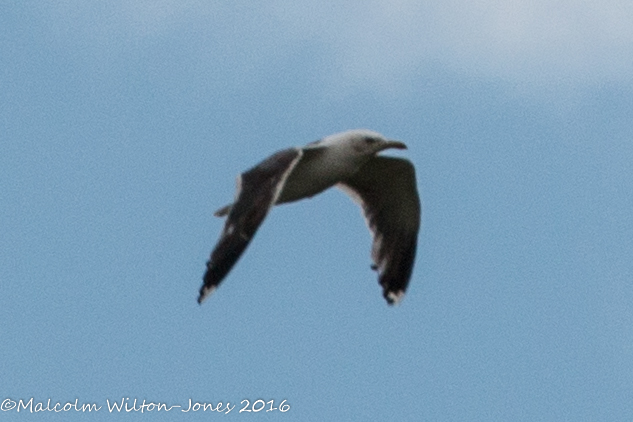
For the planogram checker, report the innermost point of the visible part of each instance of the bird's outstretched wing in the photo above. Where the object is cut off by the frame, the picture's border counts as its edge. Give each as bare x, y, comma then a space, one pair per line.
257, 191
386, 190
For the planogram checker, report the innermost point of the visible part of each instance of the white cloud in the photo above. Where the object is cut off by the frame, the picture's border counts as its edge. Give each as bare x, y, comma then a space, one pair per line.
519, 40
385, 41
388, 42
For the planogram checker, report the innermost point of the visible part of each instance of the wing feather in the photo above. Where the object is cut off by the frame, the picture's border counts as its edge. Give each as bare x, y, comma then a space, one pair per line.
386, 190
257, 191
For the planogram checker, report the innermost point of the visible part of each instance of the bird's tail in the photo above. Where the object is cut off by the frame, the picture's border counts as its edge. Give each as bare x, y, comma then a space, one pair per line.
223, 212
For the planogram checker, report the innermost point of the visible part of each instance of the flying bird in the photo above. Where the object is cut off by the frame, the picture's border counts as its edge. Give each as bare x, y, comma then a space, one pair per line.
384, 187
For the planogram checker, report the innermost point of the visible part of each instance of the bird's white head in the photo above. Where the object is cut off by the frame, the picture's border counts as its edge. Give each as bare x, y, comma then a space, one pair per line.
361, 142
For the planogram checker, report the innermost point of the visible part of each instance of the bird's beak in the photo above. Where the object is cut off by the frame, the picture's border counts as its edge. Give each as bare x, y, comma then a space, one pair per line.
393, 144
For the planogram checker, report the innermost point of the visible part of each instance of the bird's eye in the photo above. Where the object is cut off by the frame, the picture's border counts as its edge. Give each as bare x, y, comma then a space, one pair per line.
370, 140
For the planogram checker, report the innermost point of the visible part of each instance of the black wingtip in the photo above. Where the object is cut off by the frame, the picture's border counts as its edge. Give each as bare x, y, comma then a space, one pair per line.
393, 298
205, 292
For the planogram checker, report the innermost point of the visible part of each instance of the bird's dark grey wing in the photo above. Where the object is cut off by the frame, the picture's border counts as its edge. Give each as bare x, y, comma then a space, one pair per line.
257, 191
386, 190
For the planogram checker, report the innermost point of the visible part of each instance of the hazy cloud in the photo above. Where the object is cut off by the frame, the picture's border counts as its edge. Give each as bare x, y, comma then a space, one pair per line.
521, 40
385, 43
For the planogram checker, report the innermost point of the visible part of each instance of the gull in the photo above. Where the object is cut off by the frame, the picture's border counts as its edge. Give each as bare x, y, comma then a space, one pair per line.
384, 187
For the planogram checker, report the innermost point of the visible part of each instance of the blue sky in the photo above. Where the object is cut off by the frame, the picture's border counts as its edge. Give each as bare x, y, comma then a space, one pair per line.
124, 124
